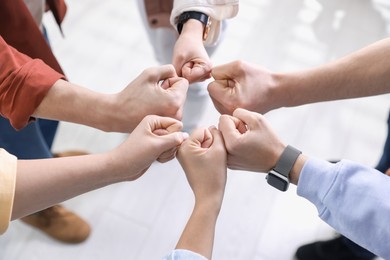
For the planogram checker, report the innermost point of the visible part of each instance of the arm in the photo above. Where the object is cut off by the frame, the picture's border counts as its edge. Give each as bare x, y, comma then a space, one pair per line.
351, 197
203, 158
216, 10
42, 183
29, 88
189, 55
120, 112
24, 83
360, 74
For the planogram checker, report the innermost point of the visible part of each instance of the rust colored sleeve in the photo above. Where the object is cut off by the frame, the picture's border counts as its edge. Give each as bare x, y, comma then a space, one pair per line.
24, 82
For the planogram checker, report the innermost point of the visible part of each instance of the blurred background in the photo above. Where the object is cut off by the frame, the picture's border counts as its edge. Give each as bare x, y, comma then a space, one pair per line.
105, 47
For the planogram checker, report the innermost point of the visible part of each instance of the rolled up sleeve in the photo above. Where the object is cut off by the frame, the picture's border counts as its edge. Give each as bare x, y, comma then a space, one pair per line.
24, 82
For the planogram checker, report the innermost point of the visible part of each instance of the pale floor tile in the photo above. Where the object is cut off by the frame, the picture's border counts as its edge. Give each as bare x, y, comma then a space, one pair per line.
106, 46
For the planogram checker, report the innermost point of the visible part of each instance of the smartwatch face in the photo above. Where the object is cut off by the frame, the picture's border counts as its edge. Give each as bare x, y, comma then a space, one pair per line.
278, 181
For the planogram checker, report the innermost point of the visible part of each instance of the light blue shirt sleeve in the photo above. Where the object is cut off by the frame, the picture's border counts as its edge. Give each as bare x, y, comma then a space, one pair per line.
182, 254
352, 198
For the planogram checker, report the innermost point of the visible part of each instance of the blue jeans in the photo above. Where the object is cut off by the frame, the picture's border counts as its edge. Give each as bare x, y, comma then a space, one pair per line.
32, 142
383, 165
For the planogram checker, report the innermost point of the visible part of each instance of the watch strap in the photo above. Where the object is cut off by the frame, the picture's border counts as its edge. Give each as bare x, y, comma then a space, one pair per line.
287, 160
184, 17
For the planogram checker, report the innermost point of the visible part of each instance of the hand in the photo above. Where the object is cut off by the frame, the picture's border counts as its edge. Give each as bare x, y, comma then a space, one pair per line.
157, 91
154, 138
250, 142
190, 58
203, 158
242, 85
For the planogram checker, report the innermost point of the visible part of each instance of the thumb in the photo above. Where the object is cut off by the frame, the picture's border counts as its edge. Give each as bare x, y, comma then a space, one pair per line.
172, 140
175, 84
195, 72
250, 119
162, 72
226, 71
218, 141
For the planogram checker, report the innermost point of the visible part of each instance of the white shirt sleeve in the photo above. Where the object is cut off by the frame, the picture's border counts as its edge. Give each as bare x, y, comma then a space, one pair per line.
182, 254
352, 198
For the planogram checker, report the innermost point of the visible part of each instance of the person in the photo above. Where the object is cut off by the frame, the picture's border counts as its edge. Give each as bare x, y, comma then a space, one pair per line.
203, 158
20, 22
30, 89
32, 185
18, 25
348, 196
341, 246
189, 49
345, 78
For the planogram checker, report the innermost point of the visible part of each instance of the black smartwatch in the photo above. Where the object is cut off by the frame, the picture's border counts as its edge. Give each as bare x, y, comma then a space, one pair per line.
278, 177
203, 18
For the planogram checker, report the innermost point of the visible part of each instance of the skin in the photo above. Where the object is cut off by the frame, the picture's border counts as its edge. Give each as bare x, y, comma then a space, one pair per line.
46, 182
203, 158
156, 91
243, 85
252, 145
190, 58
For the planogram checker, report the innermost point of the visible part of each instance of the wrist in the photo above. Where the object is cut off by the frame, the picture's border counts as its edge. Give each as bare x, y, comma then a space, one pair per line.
113, 117
297, 168
284, 90
107, 112
194, 29
210, 204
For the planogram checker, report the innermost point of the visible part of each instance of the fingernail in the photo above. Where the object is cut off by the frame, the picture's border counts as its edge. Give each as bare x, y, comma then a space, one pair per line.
185, 135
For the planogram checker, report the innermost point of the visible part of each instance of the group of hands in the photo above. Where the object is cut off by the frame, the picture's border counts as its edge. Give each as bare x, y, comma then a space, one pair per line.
243, 140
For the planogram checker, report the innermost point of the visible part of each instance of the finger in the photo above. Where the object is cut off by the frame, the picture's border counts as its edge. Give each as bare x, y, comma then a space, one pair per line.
163, 72
251, 119
219, 107
201, 137
217, 138
164, 160
227, 71
165, 123
177, 82
167, 155
230, 127
172, 140
222, 90
196, 72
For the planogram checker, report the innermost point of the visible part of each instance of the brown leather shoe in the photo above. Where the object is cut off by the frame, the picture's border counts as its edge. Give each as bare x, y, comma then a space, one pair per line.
60, 223
70, 153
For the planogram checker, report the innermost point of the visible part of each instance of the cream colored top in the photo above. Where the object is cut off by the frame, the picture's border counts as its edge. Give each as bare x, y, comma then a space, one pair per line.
7, 187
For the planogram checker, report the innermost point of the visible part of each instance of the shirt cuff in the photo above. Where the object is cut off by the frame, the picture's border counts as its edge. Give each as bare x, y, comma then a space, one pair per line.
181, 254
7, 188
316, 171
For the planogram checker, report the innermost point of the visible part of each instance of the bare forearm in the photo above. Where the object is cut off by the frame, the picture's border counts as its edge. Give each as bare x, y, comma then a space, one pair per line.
43, 183
363, 73
198, 235
68, 102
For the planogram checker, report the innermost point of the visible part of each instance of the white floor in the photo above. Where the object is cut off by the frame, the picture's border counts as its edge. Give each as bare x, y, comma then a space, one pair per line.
105, 47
